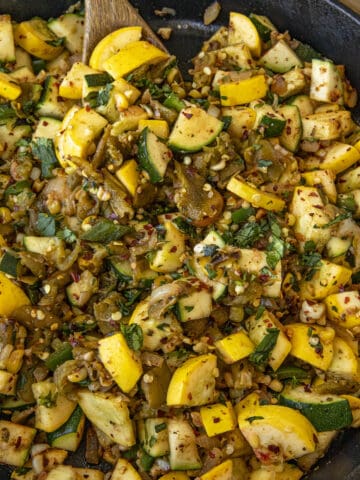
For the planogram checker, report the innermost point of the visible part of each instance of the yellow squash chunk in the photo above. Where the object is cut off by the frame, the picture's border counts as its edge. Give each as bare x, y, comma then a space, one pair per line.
272, 425
72, 84
129, 120
193, 384
312, 344
7, 46
253, 195
258, 329
339, 157
223, 471
84, 127
159, 127
123, 364
175, 476
131, 93
344, 363
328, 279
242, 29
53, 409
251, 400
124, 471
308, 208
288, 472
349, 181
132, 56
128, 174
327, 125
34, 37
218, 418
8, 383
234, 347
323, 178
344, 308
169, 256
242, 120
11, 296
8, 87
243, 91
111, 44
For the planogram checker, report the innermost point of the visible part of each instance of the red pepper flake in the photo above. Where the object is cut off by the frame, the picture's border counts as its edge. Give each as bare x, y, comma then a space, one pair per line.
189, 396
88, 108
274, 448
173, 249
216, 420
187, 115
346, 299
75, 276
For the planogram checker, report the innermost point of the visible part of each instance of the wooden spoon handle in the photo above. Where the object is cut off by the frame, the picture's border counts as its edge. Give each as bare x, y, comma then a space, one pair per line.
105, 16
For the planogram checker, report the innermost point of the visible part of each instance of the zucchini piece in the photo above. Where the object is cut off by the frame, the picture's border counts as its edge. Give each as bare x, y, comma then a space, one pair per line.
344, 363
122, 268
213, 238
168, 258
292, 133
195, 305
155, 392
271, 125
66, 472
97, 79
295, 82
59, 356
80, 292
326, 84
280, 58
263, 25
14, 403
184, 454
304, 104
110, 414
153, 434
307, 207
15, 443
339, 157
337, 247
53, 409
326, 412
10, 136
306, 53
23, 59
47, 127
7, 45
193, 383
349, 181
323, 178
72, 84
327, 125
69, 435
154, 155
50, 103
194, 128
242, 120
10, 264
71, 27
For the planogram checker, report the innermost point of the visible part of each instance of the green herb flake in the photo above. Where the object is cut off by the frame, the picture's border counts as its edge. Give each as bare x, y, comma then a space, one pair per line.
46, 225
105, 231
255, 417
337, 219
160, 427
262, 352
185, 227
58, 42
43, 150
242, 214
259, 312
211, 272
133, 335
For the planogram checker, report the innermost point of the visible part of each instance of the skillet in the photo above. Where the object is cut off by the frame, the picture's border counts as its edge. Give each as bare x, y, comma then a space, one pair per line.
329, 27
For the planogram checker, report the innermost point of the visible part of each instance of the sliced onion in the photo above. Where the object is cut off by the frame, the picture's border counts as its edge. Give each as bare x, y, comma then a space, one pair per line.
211, 13
165, 296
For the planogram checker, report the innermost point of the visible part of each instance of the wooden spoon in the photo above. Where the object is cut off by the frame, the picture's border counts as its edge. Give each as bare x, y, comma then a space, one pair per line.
105, 16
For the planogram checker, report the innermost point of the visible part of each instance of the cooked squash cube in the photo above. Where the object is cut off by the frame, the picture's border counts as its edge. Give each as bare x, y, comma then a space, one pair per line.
124, 471
339, 157
223, 471
128, 174
266, 426
259, 328
253, 195
159, 127
242, 120
132, 56
193, 384
344, 308
72, 84
344, 363
11, 296
234, 347
327, 279
243, 91
218, 418
308, 208
9, 89
123, 364
312, 344
325, 179
168, 258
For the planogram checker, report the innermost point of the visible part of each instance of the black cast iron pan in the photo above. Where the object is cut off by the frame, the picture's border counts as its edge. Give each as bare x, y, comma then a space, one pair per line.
329, 27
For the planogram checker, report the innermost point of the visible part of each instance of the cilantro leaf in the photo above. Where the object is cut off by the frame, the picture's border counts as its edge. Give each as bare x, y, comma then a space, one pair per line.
105, 231
337, 219
57, 42
133, 335
248, 235
185, 227
67, 235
